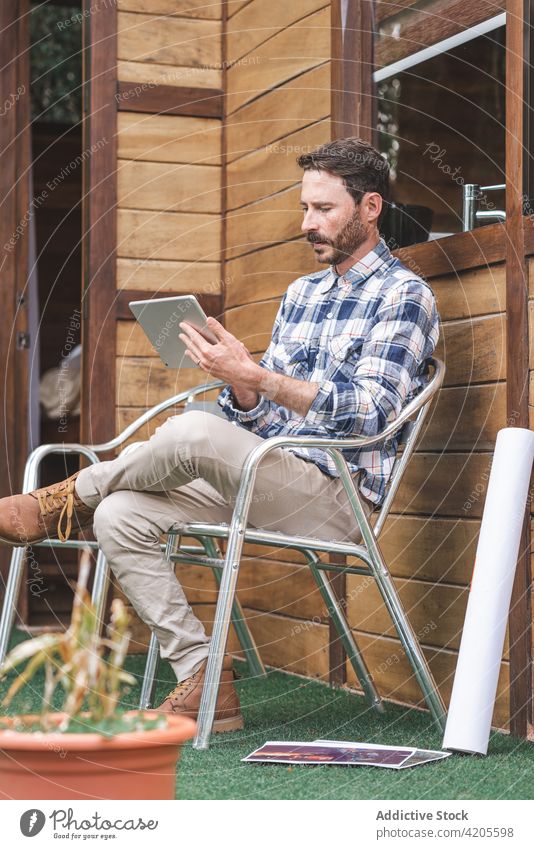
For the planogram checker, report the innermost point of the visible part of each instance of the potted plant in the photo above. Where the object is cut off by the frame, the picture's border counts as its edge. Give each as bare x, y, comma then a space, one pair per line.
93, 753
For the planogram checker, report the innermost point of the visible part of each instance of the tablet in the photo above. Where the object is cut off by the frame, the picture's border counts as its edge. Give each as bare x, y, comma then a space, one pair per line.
160, 319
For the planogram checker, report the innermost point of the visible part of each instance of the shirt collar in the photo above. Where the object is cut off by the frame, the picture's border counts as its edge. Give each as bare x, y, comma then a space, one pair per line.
360, 271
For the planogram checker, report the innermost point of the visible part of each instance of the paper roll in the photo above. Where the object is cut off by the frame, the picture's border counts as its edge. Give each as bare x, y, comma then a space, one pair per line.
477, 671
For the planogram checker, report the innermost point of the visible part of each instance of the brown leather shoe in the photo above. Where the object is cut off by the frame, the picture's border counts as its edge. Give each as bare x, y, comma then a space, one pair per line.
32, 517
185, 699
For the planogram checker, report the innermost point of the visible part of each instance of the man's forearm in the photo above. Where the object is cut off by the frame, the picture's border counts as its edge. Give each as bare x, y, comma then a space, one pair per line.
246, 398
254, 380
296, 395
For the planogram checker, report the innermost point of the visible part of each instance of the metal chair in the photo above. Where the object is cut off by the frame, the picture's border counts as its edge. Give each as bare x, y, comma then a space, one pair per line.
237, 533
226, 569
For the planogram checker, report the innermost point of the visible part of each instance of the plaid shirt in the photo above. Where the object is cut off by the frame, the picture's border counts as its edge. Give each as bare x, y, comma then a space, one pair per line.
364, 337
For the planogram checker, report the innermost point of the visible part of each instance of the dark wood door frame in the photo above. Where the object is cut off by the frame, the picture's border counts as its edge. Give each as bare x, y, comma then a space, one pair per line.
517, 351
15, 219
99, 230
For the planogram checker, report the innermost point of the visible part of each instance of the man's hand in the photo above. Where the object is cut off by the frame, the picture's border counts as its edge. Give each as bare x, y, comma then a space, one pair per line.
227, 360
230, 361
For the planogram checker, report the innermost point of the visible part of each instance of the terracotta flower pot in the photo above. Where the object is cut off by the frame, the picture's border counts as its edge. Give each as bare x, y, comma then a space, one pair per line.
55, 765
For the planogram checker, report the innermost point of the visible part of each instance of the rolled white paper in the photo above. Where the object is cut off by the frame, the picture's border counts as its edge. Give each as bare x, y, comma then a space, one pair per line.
477, 671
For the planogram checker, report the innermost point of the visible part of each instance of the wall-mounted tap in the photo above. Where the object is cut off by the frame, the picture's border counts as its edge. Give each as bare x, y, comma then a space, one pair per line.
472, 193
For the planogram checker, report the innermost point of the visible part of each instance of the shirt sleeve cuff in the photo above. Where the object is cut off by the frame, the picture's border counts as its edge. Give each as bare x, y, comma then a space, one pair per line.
322, 403
227, 402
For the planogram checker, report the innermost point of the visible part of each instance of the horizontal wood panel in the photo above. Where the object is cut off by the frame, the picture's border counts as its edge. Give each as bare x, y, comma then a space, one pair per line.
302, 648
446, 484
234, 6
273, 167
168, 186
166, 40
395, 679
182, 8
274, 219
482, 248
169, 100
466, 417
168, 235
211, 304
302, 101
266, 273
291, 644
436, 611
473, 350
144, 381
169, 138
290, 52
471, 293
166, 276
252, 324
146, 76
259, 21
430, 549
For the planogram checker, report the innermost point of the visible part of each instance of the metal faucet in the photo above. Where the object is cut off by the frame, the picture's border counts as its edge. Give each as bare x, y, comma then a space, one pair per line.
472, 193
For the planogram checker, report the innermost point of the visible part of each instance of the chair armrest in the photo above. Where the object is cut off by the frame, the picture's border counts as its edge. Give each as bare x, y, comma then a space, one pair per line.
423, 398
154, 411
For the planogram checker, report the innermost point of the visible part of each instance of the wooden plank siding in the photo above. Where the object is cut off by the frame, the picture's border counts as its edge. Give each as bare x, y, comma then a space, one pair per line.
430, 539
212, 206
169, 193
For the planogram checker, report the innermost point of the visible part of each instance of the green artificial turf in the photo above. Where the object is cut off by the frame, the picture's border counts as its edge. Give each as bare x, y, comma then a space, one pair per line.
285, 707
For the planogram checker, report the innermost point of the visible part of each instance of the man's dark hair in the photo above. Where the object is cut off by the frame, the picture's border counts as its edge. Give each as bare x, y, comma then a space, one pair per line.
358, 163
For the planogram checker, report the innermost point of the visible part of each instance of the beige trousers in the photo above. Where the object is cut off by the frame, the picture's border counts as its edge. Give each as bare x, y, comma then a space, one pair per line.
189, 470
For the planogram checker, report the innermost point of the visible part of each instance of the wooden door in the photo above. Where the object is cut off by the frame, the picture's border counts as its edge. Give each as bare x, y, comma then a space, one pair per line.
15, 221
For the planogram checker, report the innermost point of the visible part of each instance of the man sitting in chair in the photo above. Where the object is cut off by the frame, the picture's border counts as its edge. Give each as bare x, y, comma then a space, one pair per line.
349, 348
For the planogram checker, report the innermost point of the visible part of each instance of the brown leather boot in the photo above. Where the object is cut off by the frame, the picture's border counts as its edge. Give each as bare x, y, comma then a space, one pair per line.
185, 699
33, 517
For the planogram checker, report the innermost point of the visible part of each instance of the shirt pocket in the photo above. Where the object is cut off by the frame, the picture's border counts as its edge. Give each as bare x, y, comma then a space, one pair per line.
344, 346
292, 358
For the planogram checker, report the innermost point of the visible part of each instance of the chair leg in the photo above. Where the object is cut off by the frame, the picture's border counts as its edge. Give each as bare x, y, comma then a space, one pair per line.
244, 635
409, 640
223, 614
100, 587
9, 608
380, 572
334, 609
149, 678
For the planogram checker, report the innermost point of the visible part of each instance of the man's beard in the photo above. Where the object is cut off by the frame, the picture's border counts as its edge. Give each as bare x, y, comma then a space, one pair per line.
347, 241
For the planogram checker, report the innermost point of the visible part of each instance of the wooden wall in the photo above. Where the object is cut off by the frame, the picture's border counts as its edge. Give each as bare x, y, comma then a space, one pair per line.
277, 104
168, 179
274, 112
429, 541
169, 198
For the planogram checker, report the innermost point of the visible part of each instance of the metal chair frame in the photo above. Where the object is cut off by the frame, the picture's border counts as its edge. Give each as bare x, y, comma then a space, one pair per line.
237, 533
226, 569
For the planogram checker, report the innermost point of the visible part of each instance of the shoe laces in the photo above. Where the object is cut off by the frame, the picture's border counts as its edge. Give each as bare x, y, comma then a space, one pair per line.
59, 495
183, 687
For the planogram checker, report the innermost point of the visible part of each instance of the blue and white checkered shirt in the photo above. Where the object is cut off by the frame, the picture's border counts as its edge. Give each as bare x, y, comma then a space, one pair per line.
364, 337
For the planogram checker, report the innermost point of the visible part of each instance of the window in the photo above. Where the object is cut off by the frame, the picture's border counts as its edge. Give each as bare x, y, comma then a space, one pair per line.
441, 125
